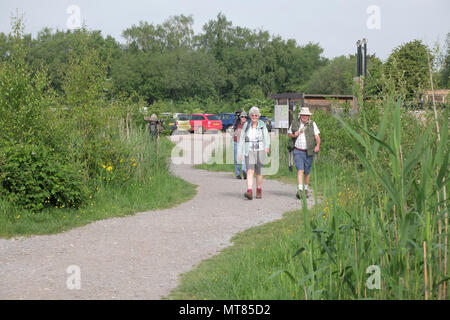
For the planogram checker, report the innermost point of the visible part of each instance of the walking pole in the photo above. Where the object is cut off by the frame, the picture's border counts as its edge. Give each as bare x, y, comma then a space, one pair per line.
291, 159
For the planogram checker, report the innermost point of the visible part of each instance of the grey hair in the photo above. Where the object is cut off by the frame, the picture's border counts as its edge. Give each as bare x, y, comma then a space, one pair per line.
254, 110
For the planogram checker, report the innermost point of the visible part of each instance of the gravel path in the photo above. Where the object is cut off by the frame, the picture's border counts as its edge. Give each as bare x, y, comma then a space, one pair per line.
140, 256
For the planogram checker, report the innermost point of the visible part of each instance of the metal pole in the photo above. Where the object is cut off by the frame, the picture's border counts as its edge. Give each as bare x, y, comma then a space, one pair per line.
365, 57
358, 56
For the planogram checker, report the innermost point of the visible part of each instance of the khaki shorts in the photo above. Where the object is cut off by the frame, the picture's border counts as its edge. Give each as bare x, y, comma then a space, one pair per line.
255, 160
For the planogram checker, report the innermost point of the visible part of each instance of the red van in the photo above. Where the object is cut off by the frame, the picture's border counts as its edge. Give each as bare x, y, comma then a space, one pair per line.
205, 122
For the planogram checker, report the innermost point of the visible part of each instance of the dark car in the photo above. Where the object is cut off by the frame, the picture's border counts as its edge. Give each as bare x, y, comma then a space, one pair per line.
167, 122
267, 121
227, 120
171, 123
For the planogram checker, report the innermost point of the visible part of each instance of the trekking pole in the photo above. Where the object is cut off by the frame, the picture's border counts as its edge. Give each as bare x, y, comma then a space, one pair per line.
291, 159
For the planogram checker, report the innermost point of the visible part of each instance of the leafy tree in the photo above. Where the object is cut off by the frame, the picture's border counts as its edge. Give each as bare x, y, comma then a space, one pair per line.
172, 75
217, 36
302, 62
83, 83
375, 81
445, 71
35, 163
334, 78
24, 95
53, 49
407, 68
175, 33
254, 59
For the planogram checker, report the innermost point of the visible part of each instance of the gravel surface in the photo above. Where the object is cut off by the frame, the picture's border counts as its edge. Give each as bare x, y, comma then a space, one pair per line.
140, 256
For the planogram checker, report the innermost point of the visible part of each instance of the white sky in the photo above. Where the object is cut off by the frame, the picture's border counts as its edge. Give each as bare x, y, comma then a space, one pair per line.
335, 24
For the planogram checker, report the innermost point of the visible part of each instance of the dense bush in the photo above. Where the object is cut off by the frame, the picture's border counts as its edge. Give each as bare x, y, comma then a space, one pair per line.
34, 177
334, 143
56, 149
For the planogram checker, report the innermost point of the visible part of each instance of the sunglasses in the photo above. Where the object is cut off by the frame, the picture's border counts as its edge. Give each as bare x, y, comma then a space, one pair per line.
255, 115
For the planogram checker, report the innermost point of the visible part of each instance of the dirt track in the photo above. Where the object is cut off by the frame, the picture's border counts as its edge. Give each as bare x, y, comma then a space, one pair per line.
140, 256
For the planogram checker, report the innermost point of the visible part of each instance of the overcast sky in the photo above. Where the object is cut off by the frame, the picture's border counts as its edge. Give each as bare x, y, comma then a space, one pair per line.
335, 24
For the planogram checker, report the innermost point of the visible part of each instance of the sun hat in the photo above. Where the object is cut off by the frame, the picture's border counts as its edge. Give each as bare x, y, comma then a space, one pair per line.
254, 110
304, 111
243, 114
153, 117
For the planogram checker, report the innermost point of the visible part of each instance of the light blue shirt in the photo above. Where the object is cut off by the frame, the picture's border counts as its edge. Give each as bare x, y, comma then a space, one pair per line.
259, 139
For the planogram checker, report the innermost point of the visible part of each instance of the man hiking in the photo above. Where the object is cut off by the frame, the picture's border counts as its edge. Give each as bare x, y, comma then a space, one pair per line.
305, 141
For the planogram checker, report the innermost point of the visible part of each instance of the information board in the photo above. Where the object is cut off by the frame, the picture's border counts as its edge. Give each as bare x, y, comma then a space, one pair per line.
281, 116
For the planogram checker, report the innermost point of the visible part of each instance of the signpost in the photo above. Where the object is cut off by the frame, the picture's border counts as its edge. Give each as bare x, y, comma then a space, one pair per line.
281, 116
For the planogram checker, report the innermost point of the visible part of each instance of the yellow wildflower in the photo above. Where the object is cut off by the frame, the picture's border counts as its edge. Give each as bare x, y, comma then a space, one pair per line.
109, 168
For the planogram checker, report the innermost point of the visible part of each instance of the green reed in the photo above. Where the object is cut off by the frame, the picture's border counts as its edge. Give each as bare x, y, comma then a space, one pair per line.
374, 218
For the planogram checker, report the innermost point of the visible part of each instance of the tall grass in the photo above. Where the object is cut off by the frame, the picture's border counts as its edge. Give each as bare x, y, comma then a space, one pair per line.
378, 213
393, 224
149, 185
405, 203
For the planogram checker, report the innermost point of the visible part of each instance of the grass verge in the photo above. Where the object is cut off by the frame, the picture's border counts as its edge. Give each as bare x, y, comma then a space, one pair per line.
250, 268
162, 190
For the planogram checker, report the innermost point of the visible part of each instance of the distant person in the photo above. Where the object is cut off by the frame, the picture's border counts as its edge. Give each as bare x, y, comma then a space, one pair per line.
306, 142
237, 115
154, 127
254, 145
239, 165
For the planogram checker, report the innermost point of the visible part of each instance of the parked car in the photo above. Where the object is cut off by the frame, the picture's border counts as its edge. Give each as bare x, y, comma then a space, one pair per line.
227, 120
267, 121
183, 122
171, 123
205, 122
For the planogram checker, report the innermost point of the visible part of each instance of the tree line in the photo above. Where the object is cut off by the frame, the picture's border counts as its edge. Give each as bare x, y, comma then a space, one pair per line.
225, 64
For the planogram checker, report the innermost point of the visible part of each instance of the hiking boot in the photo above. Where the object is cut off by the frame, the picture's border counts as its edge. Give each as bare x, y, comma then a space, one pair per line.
299, 194
258, 193
244, 174
290, 168
249, 195
238, 177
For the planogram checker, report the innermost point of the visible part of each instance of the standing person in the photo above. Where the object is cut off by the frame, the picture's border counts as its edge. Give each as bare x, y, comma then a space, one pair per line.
306, 140
237, 115
236, 136
154, 127
254, 144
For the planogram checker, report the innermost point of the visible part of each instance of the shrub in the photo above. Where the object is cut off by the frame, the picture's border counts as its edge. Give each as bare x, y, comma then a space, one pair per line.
333, 140
34, 177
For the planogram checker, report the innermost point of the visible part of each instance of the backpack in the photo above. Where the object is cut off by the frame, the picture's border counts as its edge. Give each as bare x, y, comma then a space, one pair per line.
153, 127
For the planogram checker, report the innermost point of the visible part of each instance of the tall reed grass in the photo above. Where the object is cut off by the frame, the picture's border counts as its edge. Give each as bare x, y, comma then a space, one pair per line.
375, 234
392, 224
